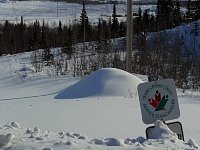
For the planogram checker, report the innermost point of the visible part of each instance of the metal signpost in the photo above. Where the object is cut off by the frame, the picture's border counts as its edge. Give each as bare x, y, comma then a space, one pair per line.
175, 127
158, 101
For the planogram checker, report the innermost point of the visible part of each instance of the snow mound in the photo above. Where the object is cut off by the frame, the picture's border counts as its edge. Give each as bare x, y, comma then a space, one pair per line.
161, 131
104, 83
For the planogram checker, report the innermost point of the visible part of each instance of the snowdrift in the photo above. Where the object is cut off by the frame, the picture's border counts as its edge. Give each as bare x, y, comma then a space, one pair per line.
104, 82
16, 138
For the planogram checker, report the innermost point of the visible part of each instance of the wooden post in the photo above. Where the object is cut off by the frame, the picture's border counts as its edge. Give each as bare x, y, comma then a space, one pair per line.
129, 37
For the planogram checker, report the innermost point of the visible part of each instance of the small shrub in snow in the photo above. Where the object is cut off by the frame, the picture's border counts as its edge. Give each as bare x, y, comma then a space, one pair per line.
15, 125
5, 140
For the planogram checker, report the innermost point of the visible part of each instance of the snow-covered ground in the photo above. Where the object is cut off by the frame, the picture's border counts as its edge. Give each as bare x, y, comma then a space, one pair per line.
103, 112
53, 11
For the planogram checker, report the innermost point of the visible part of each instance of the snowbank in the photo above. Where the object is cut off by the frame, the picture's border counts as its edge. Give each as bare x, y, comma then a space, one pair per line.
103, 82
5, 140
161, 131
162, 138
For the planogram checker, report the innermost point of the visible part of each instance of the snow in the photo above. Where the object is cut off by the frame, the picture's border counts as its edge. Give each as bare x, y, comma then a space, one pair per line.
161, 131
101, 83
5, 140
193, 144
15, 125
107, 118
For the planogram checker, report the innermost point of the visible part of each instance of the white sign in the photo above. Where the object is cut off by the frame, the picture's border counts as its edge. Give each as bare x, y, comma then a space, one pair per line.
158, 101
175, 127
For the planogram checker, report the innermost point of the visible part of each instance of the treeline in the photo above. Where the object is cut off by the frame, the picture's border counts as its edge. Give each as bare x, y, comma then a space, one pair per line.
20, 37
164, 58
168, 15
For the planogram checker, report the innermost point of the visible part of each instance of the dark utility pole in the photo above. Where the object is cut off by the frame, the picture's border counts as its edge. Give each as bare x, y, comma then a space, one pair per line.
129, 37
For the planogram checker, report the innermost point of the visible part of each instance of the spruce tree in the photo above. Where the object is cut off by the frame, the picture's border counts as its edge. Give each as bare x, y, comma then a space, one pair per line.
115, 23
139, 21
169, 13
152, 27
165, 14
122, 29
197, 10
177, 18
145, 21
188, 14
59, 34
84, 25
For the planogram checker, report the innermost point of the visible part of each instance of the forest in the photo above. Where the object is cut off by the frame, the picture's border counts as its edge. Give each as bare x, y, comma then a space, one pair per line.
84, 47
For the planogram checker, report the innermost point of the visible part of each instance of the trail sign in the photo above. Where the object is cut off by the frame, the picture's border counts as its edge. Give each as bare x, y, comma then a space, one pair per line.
175, 127
158, 101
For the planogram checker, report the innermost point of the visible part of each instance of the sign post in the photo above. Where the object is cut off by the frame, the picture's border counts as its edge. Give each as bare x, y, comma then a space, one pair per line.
175, 127
158, 101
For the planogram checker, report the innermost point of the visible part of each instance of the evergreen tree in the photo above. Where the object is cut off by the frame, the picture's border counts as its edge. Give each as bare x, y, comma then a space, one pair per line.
84, 25
100, 29
59, 34
197, 9
177, 18
169, 13
165, 10
21, 38
188, 15
145, 21
115, 23
122, 29
152, 23
139, 21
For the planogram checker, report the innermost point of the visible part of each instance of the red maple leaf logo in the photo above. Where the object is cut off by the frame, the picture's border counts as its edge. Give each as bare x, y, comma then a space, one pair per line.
155, 102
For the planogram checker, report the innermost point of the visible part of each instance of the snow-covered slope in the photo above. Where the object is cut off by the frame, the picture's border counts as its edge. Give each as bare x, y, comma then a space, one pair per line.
103, 82
31, 117
187, 36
